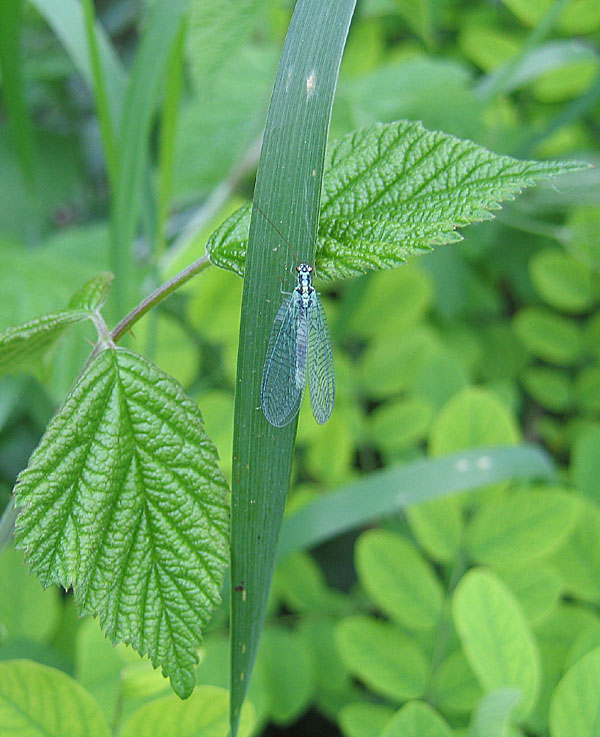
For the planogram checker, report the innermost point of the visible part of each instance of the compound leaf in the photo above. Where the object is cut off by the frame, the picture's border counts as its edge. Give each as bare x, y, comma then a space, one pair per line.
123, 501
393, 190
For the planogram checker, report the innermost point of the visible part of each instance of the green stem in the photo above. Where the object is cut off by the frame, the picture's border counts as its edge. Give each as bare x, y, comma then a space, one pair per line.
157, 296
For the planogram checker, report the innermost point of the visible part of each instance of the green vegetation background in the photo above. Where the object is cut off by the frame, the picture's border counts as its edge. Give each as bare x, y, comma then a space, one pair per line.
491, 341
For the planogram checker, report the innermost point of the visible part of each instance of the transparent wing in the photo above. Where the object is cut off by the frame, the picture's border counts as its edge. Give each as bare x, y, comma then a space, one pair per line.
284, 375
321, 378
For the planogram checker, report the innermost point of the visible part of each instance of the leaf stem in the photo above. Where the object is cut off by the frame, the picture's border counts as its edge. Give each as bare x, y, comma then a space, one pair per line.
158, 295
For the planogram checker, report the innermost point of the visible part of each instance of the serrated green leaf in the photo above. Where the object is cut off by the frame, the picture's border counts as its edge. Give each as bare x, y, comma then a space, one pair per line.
23, 346
38, 701
123, 501
575, 705
364, 719
416, 719
93, 293
204, 714
496, 636
393, 190
492, 716
398, 579
382, 656
521, 525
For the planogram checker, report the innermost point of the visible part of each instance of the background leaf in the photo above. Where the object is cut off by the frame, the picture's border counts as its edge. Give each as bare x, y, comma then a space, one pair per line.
496, 637
126, 460
575, 706
38, 701
204, 714
398, 579
416, 719
382, 656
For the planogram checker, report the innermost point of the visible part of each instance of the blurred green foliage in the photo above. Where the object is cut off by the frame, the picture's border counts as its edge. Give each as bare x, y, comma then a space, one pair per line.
415, 627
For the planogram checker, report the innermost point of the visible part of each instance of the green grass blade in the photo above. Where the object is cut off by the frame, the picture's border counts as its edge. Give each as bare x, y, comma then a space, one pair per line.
287, 190
394, 489
105, 117
65, 17
168, 129
13, 89
145, 85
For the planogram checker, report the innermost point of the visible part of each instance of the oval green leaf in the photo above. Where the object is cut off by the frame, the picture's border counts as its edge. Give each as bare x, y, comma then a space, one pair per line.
496, 637
38, 701
381, 656
518, 526
398, 579
575, 705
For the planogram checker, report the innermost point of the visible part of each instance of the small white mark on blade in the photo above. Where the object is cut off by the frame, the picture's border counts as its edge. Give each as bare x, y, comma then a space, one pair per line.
462, 465
311, 81
484, 463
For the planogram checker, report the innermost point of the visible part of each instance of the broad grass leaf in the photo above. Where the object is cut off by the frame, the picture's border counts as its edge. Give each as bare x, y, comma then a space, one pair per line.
123, 501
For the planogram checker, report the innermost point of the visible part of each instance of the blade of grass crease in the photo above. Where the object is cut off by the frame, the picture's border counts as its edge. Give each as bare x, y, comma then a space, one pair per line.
394, 489
287, 190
